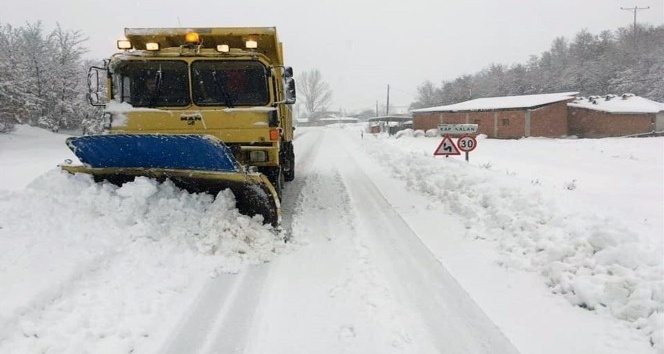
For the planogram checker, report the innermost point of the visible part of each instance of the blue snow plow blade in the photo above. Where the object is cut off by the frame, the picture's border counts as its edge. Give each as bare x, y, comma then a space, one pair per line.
198, 164
162, 151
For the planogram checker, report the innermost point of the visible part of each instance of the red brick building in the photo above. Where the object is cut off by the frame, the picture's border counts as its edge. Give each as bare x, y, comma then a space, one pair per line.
503, 117
610, 115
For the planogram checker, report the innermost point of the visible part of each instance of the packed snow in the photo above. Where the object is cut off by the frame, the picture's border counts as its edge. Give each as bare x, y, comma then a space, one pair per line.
558, 241
586, 214
504, 102
625, 103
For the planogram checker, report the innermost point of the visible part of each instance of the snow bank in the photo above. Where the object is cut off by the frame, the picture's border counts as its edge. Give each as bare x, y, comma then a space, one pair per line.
595, 260
98, 268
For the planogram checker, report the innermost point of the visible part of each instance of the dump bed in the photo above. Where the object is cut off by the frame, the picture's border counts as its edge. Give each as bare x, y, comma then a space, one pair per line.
235, 37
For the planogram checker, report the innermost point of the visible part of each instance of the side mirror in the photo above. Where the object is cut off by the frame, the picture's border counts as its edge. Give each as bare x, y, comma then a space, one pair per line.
97, 86
288, 71
289, 84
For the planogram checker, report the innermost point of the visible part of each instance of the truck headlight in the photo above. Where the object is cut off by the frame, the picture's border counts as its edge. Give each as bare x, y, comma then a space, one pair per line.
257, 156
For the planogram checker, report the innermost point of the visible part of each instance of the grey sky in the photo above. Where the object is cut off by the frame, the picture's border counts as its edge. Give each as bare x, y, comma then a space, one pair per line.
360, 46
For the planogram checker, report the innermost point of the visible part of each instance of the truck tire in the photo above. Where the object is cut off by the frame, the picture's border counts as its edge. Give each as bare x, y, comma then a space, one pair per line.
289, 175
288, 159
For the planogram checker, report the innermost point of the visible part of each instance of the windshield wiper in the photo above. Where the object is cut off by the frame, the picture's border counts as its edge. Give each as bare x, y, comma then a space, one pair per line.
157, 90
220, 87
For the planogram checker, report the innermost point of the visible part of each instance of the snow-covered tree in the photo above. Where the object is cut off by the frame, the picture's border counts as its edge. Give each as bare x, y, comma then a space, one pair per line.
427, 96
41, 78
36, 51
611, 62
69, 108
12, 86
517, 80
493, 81
643, 74
459, 90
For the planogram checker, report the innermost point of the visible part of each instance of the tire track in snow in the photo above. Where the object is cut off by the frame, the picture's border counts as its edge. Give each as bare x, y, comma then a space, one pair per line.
328, 297
454, 320
223, 313
304, 159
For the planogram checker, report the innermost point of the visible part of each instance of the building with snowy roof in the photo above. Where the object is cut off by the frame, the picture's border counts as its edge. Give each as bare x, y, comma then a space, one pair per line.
390, 124
503, 117
611, 115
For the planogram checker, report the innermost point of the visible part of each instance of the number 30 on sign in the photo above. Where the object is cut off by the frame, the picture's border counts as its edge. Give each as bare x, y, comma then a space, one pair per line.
467, 143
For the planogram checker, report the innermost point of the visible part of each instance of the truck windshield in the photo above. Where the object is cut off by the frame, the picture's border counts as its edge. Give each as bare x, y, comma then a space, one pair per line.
229, 83
152, 83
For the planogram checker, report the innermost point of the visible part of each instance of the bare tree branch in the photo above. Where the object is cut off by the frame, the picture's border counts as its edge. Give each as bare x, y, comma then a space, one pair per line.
315, 92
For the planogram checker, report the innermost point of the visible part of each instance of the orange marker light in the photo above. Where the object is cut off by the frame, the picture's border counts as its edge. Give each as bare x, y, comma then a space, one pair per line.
274, 134
192, 38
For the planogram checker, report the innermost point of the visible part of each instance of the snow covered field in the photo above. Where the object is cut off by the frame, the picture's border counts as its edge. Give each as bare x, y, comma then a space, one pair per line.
558, 242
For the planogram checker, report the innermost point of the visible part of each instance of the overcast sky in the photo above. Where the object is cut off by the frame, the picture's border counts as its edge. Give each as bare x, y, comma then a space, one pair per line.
360, 46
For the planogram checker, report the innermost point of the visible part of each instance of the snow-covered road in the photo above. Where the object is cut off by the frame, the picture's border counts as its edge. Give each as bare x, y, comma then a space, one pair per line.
388, 292
438, 264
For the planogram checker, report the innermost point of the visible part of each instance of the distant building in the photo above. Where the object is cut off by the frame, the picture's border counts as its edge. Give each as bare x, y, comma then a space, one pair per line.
390, 124
334, 120
611, 115
503, 117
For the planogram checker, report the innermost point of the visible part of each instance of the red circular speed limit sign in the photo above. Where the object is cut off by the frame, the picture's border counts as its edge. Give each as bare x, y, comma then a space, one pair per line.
466, 143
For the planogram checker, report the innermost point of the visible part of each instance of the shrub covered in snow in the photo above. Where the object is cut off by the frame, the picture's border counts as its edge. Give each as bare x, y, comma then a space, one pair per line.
404, 133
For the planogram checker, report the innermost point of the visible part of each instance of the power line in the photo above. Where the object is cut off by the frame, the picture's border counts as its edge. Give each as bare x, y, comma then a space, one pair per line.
635, 9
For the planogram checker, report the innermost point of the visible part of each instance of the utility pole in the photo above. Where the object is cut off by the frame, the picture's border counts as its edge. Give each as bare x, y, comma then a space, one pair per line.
387, 109
635, 9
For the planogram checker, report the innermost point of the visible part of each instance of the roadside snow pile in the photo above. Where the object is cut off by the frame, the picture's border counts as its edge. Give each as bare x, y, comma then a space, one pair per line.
595, 261
162, 212
97, 266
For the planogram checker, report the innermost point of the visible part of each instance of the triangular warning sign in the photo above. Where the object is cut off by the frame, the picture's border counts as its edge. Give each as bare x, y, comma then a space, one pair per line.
446, 147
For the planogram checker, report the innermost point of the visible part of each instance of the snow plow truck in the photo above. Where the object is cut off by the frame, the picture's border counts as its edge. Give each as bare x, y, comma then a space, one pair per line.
207, 108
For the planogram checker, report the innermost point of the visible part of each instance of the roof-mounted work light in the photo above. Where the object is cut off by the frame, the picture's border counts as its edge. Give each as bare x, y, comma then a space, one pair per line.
251, 44
124, 44
192, 38
152, 46
224, 48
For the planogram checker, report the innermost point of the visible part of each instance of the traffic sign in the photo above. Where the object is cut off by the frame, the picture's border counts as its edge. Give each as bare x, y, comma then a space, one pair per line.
446, 147
467, 143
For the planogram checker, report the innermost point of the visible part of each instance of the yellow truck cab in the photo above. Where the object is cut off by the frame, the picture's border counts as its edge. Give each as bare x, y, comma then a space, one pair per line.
228, 83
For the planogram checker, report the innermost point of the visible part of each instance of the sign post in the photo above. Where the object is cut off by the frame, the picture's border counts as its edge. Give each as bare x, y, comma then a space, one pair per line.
467, 143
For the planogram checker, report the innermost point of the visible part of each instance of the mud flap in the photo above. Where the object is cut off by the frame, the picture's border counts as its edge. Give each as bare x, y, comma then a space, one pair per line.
193, 162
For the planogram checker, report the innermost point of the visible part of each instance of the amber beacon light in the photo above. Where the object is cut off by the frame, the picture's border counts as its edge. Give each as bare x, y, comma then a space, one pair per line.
192, 38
